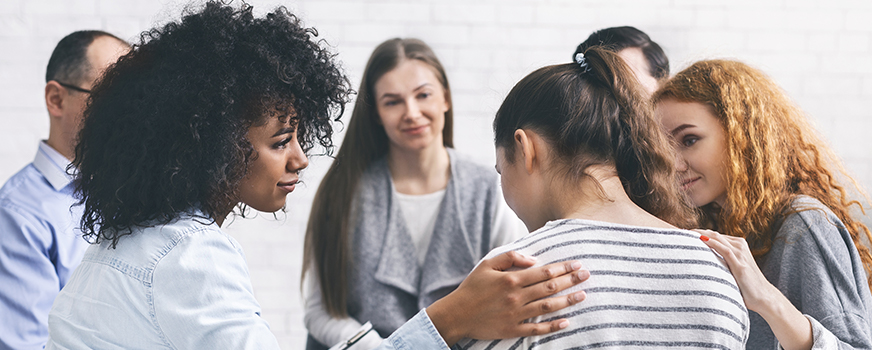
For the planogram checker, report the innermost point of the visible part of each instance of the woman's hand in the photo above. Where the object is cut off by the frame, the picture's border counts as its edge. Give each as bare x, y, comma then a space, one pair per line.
755, 288
493, 304
790, 327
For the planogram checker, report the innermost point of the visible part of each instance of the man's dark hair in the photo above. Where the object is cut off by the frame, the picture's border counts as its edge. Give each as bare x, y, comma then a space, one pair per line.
619, 38
69, 60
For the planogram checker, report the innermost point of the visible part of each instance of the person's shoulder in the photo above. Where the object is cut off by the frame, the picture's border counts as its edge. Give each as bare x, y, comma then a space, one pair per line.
23, 183
30, 197
147, 246
812, 215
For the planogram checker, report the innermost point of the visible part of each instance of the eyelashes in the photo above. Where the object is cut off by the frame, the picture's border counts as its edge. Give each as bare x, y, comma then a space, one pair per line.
282, 143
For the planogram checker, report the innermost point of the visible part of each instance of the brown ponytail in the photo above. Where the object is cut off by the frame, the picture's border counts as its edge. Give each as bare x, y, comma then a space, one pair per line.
598, 115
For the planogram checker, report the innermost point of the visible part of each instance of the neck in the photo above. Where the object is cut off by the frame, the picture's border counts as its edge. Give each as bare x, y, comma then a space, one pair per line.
62, 143
419, 171
600, 197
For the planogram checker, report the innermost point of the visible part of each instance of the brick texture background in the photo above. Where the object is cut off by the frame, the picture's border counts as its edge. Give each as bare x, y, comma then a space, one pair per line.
819, 51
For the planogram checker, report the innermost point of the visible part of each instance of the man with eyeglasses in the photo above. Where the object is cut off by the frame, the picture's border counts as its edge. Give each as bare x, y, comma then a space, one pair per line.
40, 243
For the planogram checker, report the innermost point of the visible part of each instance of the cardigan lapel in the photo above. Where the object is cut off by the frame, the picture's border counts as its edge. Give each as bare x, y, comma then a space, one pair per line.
398, 264
450, 256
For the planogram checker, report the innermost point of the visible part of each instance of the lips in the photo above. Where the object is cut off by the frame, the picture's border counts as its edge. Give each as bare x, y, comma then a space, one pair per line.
686, 183
415, 130
288, 186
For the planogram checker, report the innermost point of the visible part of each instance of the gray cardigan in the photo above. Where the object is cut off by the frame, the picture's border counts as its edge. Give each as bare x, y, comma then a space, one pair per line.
387, 286
815, 264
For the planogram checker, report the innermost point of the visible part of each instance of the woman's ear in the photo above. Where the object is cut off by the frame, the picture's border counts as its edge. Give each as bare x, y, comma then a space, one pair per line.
524, 143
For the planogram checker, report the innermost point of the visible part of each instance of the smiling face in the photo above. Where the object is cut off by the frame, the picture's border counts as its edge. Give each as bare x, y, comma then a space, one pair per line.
275, 171
411, 105
702, 151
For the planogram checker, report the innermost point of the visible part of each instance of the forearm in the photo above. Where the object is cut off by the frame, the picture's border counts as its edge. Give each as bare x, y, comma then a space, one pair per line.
792, 329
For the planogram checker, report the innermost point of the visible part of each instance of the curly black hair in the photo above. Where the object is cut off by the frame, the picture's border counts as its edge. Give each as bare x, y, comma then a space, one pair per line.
165, 129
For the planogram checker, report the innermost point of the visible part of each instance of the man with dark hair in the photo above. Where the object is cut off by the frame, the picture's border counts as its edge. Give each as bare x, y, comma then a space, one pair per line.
647, 60
40, 244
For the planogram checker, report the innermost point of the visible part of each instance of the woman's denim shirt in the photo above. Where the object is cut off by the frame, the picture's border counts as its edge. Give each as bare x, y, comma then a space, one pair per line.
182, 285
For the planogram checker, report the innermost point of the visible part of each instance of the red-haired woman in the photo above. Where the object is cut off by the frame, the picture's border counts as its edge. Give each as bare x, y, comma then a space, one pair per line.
760, 174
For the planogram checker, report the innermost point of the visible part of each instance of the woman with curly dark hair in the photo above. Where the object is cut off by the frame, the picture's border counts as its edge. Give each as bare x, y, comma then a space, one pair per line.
207, 114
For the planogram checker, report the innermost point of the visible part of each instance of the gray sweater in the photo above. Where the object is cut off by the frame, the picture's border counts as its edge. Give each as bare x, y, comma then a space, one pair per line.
815, 264
387, 286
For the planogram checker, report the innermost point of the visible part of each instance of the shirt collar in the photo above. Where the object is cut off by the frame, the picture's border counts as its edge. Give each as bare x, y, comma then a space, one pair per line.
53, 166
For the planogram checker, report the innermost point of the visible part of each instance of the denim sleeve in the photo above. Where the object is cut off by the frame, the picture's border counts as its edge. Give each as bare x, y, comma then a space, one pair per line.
28, 279
203, 299
416, 334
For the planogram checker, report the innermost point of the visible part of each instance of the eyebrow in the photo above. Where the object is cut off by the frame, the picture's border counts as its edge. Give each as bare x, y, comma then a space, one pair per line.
396, 95
681, 128
283, 131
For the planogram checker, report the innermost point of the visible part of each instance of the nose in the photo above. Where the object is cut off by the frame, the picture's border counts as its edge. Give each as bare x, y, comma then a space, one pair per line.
297, 159
680, 163
413, 110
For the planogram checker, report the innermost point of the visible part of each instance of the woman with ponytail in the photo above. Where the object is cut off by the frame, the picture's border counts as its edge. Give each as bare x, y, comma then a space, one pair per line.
760, 174
586, 166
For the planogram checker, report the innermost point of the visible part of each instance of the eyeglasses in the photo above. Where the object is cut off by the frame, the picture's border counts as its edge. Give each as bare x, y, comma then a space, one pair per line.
68, 86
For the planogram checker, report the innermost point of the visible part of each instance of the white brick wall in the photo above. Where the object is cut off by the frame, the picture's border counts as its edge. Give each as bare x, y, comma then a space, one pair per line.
819, 51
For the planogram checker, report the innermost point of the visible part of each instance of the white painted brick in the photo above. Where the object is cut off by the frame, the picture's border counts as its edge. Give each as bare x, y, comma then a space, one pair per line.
465, 13
711, 18
738, 18
777, 41
821, 43
63, 25
333, 11
562, 14
60, 7
676, 17
371, 32
449, 34
136, 8
867, 86
839, 85
515, 14
823, 20
855, 43
475, 58
398, 12
847, 63
726, 40
858, 20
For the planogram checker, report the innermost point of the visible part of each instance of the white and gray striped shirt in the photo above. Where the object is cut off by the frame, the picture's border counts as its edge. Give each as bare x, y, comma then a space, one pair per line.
649, 288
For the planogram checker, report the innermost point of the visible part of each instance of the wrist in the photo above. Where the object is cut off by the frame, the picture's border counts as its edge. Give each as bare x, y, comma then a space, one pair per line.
441, 317
792, 329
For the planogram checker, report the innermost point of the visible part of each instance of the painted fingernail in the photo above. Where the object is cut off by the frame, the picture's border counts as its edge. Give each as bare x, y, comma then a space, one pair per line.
704, 238
563, 324
576, 265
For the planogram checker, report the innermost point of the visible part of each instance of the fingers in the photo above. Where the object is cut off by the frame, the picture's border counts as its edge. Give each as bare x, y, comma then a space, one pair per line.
544, 306
531, 329
507, 260
539, 274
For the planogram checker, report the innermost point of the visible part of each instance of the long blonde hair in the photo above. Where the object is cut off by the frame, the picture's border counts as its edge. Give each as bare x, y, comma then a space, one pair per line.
327, 252
774, 154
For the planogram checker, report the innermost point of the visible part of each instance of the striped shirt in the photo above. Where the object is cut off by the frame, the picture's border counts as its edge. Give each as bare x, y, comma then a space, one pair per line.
649, 288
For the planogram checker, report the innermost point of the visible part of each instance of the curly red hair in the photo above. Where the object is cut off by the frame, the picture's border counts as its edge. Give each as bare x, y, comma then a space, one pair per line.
765, 127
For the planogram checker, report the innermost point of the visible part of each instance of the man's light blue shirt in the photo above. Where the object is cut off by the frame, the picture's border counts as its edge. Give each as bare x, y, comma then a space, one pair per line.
40, 246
